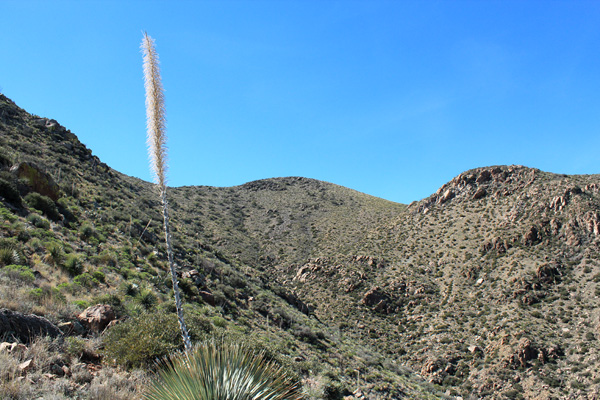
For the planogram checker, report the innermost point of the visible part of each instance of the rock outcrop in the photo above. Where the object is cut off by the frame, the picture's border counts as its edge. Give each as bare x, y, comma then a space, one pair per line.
37, 179
25, 328
96, 318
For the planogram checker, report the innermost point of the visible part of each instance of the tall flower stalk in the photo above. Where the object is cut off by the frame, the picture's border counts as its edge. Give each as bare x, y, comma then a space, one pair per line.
157, 149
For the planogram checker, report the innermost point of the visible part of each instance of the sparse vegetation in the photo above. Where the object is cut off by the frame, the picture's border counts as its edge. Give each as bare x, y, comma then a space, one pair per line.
493, 296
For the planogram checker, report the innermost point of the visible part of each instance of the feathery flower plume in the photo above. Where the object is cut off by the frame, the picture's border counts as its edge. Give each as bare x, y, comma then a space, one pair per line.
157, 148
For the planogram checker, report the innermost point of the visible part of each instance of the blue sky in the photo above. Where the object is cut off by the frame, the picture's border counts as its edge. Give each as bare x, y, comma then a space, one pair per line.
391, 98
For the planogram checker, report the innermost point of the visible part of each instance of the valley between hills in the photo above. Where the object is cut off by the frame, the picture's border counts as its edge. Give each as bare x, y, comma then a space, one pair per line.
487, 289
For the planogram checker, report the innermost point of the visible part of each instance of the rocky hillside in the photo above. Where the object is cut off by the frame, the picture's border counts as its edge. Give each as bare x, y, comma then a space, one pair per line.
489, 287
486, 289
75, 233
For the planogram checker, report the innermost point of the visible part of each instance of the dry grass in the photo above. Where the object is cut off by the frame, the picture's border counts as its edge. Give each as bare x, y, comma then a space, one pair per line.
45, 379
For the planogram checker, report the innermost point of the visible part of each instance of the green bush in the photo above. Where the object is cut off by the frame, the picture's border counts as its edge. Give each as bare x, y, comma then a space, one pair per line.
55, 254
10, 192
73, 265
87, 231
99, 276
140, 340
10, 251
6, 215
43, 204
146, 298
75, 346
8, 256
38, 221
19, 272
85, 280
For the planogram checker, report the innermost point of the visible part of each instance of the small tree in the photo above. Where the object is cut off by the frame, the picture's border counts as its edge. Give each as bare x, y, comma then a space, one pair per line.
157, 140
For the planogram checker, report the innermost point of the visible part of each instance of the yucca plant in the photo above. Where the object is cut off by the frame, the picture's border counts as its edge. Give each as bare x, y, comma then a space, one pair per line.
222, 371
157, 148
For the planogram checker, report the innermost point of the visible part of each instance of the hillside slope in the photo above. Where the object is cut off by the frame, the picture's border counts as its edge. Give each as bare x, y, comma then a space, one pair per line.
487, 289
75, 232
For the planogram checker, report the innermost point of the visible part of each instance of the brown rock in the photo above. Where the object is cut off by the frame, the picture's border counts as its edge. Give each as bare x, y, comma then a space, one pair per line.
524, 353
375, 297
207, 297
558, 203
96, 318
480, 193
484, 176
498, 244
592, 222
39, 181
531, 237
548, 273
448, 195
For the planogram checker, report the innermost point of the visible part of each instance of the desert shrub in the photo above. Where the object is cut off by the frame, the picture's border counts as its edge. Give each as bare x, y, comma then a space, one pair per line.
219, 322
106, 257
46, 294
85, 280
87, 231
8, 256
73, 265
6, 160
306, 334
35, 244
55, 254
142, 339
10, 251
43, 204
129, 288
6, 215
99, 276
146, 298
19, 272
75, 346
334, 390
10, 192
38, 221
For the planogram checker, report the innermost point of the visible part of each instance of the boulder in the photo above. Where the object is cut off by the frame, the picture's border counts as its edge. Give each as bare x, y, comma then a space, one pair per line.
376, 298
207, 297
592, 222
25, 328
72, 328
96, 318
484, 176
531, 237
448, 195
524, 353
480, 193
549, 273
37, 179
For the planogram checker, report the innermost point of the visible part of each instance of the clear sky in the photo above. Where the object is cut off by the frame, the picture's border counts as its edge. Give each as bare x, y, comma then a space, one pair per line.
391, 98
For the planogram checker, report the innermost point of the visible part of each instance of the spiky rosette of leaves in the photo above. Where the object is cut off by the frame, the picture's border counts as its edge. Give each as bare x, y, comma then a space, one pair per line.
218, 370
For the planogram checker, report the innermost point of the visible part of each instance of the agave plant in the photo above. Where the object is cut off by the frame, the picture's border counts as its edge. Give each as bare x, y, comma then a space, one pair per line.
222, 371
